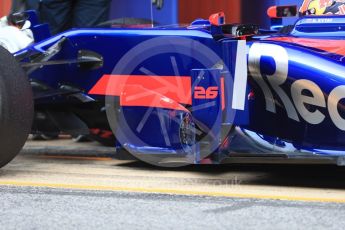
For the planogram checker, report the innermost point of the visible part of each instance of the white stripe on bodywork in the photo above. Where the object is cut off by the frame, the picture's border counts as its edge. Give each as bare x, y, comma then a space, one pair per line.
241, 76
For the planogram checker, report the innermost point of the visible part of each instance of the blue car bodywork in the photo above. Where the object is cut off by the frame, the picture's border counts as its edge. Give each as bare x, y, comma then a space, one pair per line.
197, 94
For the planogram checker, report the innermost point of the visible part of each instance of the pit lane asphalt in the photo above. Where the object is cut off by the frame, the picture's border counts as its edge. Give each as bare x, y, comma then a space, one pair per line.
40, 191
42, 208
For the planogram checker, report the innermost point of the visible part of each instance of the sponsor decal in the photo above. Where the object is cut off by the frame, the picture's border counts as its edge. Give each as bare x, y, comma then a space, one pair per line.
297, 106
322, 7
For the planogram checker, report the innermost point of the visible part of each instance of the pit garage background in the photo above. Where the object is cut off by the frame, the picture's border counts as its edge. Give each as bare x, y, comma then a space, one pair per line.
185, 11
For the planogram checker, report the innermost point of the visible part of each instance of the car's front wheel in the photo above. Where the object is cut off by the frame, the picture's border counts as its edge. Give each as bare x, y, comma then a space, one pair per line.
16, 107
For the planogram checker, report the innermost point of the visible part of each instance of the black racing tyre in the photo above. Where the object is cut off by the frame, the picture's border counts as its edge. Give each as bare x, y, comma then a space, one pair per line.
16, 107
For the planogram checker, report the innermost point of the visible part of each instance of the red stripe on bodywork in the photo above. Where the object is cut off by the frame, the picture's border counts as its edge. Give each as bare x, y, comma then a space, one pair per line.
222, 88
331, 46
177, 88
148, 91
134, 95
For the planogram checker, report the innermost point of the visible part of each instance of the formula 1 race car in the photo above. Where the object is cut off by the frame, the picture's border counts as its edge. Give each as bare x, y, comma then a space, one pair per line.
209, 92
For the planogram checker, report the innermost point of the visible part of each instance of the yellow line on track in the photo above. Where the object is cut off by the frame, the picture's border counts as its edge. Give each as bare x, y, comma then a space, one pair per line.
172, 192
